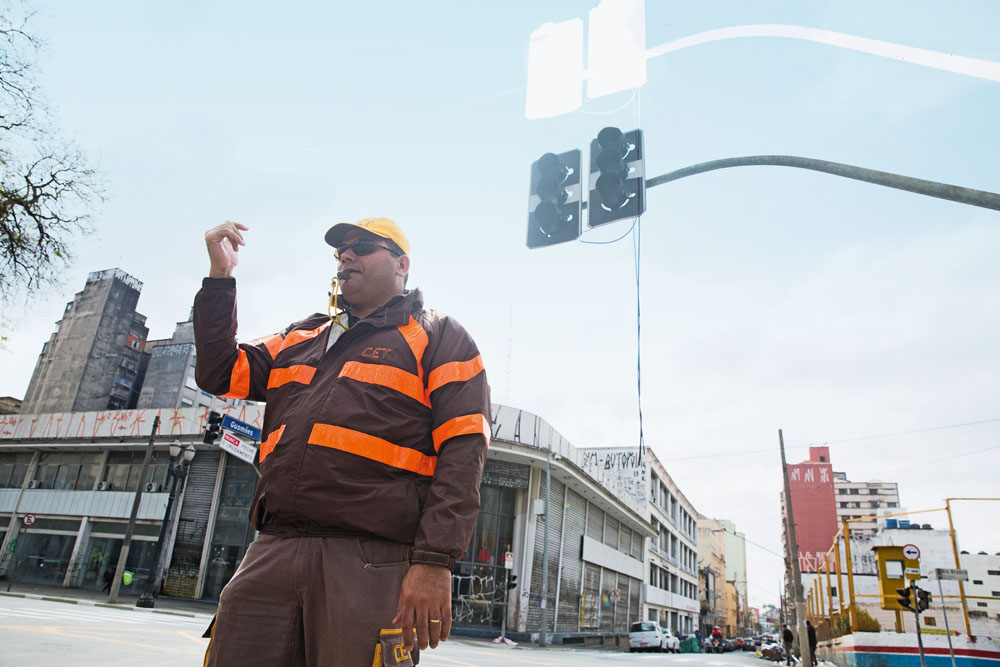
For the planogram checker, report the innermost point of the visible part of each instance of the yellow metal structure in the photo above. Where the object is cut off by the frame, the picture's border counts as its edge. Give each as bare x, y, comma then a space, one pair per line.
891, 567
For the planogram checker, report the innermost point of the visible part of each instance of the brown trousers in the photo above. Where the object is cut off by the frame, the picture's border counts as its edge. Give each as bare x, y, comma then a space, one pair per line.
316, 601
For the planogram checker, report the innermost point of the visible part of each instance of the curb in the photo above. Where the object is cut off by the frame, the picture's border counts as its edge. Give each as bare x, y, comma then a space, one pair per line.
106, 605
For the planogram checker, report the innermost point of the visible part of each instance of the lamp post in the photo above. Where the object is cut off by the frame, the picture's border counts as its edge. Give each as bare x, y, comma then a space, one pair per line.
177, 470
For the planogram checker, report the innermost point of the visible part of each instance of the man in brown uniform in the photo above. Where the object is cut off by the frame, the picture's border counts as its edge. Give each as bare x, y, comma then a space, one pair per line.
374, 441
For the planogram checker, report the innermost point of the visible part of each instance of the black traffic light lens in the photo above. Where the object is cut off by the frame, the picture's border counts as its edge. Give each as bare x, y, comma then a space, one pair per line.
550, 218
549, 166
612, 190
551, 191
609, 138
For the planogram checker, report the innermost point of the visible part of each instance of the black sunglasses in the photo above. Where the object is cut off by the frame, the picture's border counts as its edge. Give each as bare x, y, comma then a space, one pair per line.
362, 248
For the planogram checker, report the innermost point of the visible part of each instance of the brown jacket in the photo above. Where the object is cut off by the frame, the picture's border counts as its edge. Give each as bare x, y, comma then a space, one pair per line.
384, 434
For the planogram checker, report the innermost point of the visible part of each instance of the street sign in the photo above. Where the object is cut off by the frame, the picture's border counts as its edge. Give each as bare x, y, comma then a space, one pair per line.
12, 545
28, 519
911, 551
237, 447
241, 428
945, 574
508, 560
615, 594
912, 573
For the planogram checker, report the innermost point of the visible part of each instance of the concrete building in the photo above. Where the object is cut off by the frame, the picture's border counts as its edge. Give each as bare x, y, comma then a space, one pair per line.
94, 360
90, 463
811, 484
862, 499
736, 560
671, 592
984, 584
169, 380
9, 405
712, 573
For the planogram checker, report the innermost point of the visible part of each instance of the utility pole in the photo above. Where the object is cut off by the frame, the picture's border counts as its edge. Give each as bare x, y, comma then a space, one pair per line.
793, 556
542, 638
130, 529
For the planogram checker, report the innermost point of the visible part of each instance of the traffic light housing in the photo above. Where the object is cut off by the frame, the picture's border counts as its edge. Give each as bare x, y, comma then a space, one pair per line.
511, 582
214, 427
923, 599
617, 176
554, 203
905, 598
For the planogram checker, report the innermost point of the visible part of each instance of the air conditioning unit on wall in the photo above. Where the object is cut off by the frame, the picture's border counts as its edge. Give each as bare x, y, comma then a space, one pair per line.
104, 486
153, 487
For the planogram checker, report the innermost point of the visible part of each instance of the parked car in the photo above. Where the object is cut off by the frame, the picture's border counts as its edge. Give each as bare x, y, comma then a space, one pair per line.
649, 636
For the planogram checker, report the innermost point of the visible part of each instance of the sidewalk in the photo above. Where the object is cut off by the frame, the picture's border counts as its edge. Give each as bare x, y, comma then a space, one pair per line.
164, 604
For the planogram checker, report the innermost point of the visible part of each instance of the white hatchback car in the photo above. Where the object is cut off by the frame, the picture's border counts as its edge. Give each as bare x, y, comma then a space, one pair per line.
649, 636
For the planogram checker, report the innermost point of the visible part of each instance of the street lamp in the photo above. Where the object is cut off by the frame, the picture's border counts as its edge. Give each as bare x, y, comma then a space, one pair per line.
177, 470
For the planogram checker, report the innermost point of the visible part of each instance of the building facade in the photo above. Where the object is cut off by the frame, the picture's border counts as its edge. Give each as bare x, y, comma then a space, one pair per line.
811, 484
671, 592
94, 360
77, 474
856, 500
712, 574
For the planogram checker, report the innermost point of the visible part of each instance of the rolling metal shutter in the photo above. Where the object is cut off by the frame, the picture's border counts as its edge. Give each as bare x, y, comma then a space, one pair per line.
555, 515
572, 564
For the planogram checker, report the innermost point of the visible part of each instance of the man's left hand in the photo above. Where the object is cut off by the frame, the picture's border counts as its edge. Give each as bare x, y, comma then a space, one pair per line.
425, 603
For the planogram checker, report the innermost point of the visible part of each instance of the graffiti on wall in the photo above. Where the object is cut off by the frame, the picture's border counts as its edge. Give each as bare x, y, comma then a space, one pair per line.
474, 598
621, 471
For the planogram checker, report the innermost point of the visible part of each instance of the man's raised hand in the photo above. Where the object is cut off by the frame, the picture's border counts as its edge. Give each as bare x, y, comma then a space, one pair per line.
223, 244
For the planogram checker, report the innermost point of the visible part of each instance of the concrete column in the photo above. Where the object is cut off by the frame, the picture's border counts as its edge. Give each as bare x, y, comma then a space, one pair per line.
76, 569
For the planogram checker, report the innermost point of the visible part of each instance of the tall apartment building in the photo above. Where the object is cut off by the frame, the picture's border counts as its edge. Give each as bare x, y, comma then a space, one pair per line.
94, 360
811, 484
861, 499
671, 593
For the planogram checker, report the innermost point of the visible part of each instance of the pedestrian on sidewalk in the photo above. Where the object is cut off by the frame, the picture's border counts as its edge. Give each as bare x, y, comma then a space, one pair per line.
374, 440
787, 639
109, 576
812, 641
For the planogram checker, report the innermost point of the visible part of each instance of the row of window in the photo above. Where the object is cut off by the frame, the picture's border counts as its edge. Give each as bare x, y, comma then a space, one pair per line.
871, 492
81, 471
660, 496
667, 581
873, 504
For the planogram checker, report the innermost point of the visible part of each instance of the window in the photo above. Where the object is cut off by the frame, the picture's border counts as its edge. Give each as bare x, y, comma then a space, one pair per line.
893, 504
855, 492
843, 504
981, 604
842, 492
993, 573
995, 594
930, 620
977, 581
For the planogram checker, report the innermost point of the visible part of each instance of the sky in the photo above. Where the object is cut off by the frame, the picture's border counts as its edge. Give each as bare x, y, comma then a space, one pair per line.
771, 298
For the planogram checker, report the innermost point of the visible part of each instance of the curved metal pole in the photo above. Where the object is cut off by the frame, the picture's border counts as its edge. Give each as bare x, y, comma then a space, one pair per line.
919, 186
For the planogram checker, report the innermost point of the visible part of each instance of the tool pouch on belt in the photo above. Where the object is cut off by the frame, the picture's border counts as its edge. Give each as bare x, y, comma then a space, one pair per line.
390, 651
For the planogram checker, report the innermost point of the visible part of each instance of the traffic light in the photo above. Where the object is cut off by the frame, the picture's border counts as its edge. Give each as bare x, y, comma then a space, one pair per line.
214, 427
617, 176
511, 582
905, 599
923, 599
554, 202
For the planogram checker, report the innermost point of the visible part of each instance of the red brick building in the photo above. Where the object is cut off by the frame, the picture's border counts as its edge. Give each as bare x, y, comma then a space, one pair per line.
815, 507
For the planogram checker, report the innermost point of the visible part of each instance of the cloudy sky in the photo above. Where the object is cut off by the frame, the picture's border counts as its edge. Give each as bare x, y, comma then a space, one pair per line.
771, 297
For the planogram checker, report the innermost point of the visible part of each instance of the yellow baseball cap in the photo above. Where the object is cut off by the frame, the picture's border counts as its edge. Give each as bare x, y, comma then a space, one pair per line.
383, 227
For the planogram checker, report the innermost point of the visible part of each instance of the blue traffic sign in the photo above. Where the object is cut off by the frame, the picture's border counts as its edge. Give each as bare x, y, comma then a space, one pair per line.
236, 426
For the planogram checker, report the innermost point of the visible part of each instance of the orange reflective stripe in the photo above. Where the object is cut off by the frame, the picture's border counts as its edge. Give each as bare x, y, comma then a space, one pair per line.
456, 371
387, 376
272, 343
297, 336
272, 440
416, 338
464, 425
239, 381
300, 374
371, 447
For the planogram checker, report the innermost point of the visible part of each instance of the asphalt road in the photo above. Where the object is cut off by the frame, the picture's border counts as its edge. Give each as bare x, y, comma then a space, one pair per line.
41, 633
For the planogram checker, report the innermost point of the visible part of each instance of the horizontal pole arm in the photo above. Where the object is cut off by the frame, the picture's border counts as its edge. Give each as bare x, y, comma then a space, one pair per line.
981, 198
